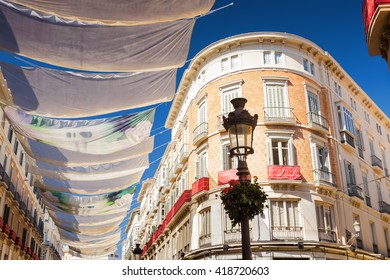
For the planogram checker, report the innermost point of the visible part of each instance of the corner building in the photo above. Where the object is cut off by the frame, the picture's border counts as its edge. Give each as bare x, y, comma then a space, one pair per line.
321, 151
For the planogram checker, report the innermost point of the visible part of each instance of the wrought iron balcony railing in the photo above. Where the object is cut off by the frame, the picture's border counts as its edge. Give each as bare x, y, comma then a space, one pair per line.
278, 114
199, 133
376, 162
355, 191
317, 119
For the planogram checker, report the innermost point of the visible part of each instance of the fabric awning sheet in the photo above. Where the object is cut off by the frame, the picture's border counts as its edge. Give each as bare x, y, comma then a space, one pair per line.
97, 254
127, 12
92, 220
94, 47
64, 94
93, 136
90, 172
88, 229
85, 205
93, 187
87, 241
63, 157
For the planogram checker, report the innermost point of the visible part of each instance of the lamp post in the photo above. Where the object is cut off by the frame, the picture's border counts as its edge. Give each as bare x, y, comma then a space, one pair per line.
240, 126
137, 252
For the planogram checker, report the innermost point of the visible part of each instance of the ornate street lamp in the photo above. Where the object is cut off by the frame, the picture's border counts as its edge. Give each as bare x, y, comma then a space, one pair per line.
137, 252
240, 126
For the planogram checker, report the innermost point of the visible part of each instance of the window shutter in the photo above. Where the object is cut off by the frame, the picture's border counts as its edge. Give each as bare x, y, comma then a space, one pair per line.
197, 168
353, 180
347, 173
269, 146
290, 152
325, 154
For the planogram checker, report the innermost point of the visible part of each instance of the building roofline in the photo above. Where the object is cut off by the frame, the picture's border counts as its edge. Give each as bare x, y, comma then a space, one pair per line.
192, 71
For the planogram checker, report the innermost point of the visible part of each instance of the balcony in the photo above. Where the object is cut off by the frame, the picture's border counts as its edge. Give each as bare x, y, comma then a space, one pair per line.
225, 176
324, 177
386, 171
317, 122
12, 235
278, 115
200, 133
375, 248
287, 233
220, 122
384, 207
284, 172
376, 163
347, 140
171, 174
375, 16
359, 243
183, 199
200, 185
234, 235
177, 166
184, 153
327, 235
368, 201
355, 191
205, 240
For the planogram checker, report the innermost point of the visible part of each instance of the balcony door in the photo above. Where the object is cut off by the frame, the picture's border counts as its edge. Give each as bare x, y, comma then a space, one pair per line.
277, 102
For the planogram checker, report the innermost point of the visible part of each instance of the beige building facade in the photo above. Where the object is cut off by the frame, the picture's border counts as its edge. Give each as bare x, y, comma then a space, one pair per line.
321, 154
26, 230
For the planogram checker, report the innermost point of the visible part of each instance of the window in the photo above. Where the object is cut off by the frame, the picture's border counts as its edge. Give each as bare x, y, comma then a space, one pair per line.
16, 146
224, 64
227, 94
205, 224
379, 191
346, 120
386, 233
201, 166
285, 219
366, 190
325, 224
280, 150
379, 129
278, 58
228, 162
350, 174
374, 238
312, 69
322, 161
10, 134
308, 66
337, 89
234, 62
267, 57
202, 118
277, 106
360, 142
230, 63
367, 116
201, 77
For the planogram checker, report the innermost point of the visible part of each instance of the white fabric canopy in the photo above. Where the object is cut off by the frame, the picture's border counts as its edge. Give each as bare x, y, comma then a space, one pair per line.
91, 172
132, 12
72, 238
63, 157
96, 136
55, 93
94, 47
89, 187
87, 205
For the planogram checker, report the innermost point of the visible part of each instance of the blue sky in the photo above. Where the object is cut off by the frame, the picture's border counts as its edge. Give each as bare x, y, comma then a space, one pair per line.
335, 26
